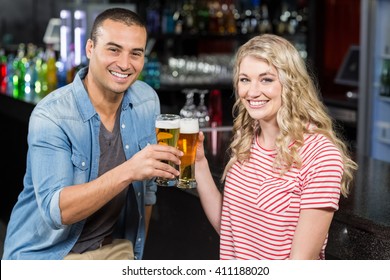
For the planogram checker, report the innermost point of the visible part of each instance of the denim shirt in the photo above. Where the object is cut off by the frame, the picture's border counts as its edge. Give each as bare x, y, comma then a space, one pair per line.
64, 150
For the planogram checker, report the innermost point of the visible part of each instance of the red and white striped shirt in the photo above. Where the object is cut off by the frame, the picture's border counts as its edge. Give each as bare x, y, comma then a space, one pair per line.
261, 209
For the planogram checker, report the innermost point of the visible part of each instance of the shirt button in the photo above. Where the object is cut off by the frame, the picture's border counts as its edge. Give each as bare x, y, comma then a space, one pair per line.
135, 257
139, 239
123, 125
127, 147
140, 217
83, 163
139, 194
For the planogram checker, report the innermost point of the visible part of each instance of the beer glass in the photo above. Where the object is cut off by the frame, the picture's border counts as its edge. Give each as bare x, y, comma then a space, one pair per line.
188, 139
167, 132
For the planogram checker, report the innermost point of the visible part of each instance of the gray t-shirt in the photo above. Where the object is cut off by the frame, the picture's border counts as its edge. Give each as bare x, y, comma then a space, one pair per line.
102, 222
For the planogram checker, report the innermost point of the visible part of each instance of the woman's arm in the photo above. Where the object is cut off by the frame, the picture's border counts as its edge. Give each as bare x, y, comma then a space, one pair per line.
311, 232
210, 196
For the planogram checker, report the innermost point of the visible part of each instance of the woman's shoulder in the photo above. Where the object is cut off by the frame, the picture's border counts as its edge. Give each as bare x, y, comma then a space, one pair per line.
318, 145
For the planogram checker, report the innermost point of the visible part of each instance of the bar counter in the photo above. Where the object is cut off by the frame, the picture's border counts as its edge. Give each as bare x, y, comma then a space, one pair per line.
361, 227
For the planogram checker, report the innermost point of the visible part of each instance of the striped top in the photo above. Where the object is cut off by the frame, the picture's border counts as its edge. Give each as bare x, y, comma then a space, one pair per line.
261, 209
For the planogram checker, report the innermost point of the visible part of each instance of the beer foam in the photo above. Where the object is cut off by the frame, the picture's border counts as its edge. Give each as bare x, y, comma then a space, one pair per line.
188, 126
168, 124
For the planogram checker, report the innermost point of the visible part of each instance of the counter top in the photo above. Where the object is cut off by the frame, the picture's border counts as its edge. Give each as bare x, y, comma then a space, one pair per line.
361, 227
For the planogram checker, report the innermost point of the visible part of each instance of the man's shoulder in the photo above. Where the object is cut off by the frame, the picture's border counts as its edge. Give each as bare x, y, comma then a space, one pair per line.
141, 91
60, 100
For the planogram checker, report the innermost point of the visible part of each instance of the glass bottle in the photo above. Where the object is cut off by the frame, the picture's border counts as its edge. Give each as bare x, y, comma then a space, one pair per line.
10, 74
51, 70
231, 26
3, 72
215, 108
265, 25
189, 14
153, 18
30, 74
167, 22
20, 70
385, 78
213, 27
178, 19
41, 87
202, 17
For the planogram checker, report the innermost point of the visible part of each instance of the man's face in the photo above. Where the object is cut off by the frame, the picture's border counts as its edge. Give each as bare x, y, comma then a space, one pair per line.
117, 57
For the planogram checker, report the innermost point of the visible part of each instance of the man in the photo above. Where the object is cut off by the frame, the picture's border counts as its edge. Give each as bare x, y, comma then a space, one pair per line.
92, 158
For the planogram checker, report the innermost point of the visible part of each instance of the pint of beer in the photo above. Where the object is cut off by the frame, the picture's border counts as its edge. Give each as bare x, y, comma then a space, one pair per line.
167, 132
188, 139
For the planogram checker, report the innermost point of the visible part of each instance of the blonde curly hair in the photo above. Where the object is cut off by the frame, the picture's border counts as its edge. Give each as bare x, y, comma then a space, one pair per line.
301, 106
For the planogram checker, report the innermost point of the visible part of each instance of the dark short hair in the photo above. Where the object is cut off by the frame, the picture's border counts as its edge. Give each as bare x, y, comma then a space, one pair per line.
122, 15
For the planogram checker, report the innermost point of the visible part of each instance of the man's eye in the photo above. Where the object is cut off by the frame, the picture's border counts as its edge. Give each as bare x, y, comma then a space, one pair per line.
113, 50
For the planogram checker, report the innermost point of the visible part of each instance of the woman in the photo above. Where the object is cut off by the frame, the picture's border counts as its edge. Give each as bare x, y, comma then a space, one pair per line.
287, 166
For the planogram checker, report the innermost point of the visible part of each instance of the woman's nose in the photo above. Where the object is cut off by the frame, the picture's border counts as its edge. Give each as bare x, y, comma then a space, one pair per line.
254, 89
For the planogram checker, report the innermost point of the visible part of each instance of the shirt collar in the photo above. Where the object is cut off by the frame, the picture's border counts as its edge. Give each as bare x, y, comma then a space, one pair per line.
84, 104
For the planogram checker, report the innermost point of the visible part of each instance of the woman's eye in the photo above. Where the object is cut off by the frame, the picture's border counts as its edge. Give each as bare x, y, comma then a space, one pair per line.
243, 80
267, 80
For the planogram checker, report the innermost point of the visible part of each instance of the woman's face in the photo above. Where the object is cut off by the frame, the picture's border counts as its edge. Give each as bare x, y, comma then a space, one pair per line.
259, 89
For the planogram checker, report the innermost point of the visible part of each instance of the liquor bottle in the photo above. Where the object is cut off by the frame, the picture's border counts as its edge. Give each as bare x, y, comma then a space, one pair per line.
151, 73
41, 88
167, 22
256, 17
231, 16
202, 17
189, 16
281, 24
213, 26
385, 78
249, 16
30, 74
70, 65
10, 75
20, 71
153, 18
215, 108
178, 20
265, 25
52, 81
3, 72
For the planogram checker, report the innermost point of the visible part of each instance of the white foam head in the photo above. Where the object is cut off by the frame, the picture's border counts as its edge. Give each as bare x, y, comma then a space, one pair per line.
189, 125
168, 124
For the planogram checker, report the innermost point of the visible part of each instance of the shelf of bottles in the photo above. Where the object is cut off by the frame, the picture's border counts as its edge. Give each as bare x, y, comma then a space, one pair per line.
32, 73
214, 29
194, 41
